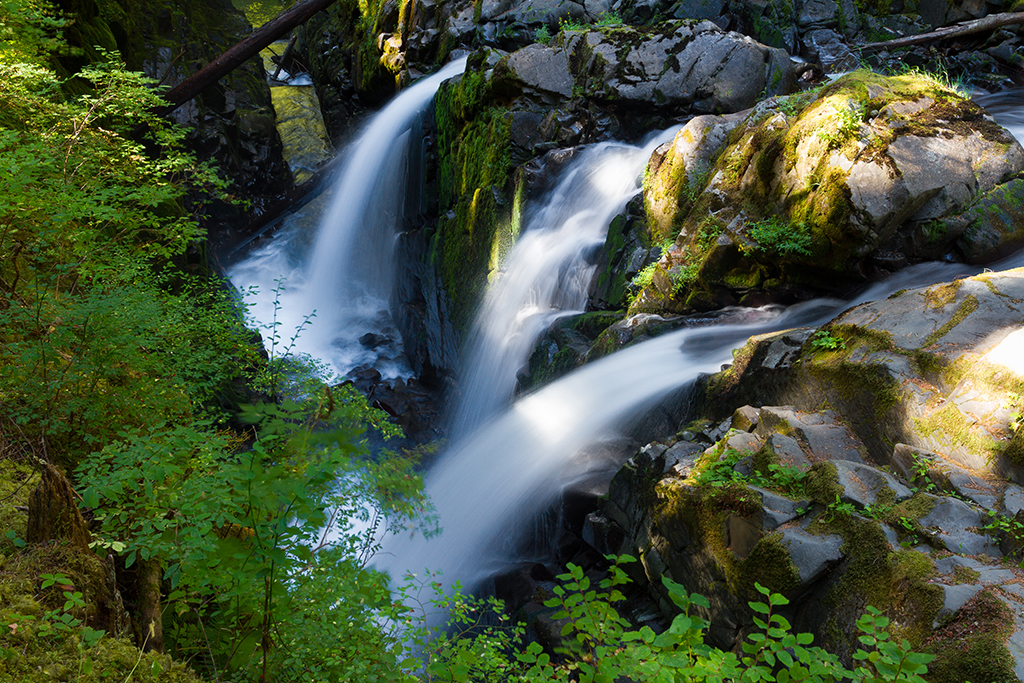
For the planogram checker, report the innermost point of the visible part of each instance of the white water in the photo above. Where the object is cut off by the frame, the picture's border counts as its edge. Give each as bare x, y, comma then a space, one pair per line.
488, 486
345, 276
546, 275
1006, 107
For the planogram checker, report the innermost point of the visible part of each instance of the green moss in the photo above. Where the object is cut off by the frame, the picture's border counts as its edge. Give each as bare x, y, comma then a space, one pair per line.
862, 384
43, 659
822, 484
963, 574
479, 200
769, 564
703, 510
972, 647
16, 483
894, 581
949, 426
939, 296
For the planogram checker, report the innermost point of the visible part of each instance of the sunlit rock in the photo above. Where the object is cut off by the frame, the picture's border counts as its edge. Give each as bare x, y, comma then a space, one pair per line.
826, 188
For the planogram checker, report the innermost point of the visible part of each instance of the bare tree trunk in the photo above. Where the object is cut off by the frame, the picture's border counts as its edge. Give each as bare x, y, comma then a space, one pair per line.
53, 512
241, 51
993, 21
149, 628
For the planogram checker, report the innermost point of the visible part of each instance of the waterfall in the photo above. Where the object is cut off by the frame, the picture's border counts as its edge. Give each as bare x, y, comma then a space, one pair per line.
344, 278
546, 275
489, 485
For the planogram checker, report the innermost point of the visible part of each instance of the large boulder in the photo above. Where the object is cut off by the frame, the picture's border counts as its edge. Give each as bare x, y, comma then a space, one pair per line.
929, 379
873, 472
871, 173
688, 64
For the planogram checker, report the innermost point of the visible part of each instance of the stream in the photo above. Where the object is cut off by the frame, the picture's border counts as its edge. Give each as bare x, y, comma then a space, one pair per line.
507, 463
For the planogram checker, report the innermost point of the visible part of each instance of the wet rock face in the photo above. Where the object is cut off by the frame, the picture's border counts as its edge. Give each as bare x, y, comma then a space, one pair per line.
870, 173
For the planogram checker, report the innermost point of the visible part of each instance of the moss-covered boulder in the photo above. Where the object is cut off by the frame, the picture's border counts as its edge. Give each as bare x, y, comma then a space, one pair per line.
824, 189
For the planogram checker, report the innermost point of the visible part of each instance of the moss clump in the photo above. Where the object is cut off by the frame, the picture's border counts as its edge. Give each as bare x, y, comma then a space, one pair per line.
939, 296
963, 574
477, 194
972, 647
895, 581
822, 483
703, 510
967, 306
770, 565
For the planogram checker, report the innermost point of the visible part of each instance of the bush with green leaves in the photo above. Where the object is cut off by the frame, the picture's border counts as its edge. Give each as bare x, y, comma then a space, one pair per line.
295, 513
102, 328
599, 645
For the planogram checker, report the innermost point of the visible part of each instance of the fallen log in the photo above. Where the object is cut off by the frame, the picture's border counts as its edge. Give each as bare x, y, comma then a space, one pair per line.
993, 21
245, 49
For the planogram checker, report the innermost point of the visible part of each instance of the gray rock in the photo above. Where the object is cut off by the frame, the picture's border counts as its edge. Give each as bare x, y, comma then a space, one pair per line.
833, 53
746, 418
778, 509
953, 520
542, 68
863, 484
699, 9
832, 442
933, 12
788, 451
953, 598
744, 442
819, 13
1013, 499
603, 535
987, 575
492, 9
548, 12
891, 536
714, 435
974, 489
654, 450
811, 554
682, 456
1016, 642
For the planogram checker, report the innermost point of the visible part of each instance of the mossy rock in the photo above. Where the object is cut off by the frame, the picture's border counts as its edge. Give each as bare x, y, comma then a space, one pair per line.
480, 198
972, 647
807, 190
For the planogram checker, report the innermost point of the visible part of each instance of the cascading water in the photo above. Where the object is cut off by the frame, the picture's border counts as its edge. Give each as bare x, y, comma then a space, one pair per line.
546, 275
1007, 107
490, 484
487, 486
345, 276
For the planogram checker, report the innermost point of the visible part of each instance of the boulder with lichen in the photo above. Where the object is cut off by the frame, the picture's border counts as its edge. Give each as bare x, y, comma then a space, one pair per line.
827, 189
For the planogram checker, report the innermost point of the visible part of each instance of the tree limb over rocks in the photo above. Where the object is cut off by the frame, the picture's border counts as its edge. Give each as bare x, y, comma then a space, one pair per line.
964, 28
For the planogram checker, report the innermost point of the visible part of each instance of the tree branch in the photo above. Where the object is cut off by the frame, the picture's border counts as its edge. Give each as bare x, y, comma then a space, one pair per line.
993, 21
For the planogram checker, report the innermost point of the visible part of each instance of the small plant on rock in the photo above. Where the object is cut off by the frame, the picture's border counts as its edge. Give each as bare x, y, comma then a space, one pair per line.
779, 237
824, 340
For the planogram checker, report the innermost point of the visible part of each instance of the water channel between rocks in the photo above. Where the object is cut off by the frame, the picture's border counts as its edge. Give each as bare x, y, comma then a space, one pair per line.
505, 465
